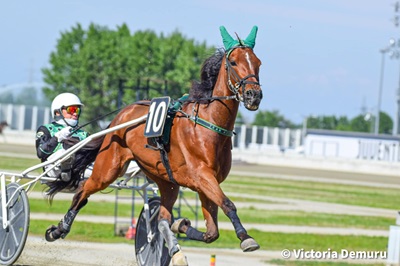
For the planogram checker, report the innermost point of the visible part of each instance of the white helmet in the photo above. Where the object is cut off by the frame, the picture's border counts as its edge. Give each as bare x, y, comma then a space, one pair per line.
64, 100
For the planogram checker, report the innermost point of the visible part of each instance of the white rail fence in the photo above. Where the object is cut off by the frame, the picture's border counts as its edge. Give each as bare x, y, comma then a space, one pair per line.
24, 117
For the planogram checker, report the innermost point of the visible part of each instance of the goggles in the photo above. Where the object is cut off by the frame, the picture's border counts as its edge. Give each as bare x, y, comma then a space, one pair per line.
73, 109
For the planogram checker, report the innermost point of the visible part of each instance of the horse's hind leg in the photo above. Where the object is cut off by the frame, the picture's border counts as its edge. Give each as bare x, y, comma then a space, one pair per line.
89, 187
64, 226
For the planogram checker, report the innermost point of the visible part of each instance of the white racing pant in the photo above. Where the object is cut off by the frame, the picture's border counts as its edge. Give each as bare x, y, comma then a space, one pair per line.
56, 171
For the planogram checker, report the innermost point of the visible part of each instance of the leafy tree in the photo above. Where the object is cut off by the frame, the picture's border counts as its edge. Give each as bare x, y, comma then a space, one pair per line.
314, 122
98, 64
385, 123
240, 119
360, 124
357, 124
27, 96
343, 124
271, 119
6, 97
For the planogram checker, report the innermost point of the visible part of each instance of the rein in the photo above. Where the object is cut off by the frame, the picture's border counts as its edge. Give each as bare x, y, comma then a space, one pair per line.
94, 120
202, 122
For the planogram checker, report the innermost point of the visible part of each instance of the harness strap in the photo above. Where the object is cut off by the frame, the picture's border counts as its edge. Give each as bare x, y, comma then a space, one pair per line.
165, 161
211, 126
164, 156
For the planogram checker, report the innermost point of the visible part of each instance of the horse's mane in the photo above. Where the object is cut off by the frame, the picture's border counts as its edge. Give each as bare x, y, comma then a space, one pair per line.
83, 158
208, 76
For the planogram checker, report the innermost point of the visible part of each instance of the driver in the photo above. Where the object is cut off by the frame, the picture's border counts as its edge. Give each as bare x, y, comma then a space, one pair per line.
65, 111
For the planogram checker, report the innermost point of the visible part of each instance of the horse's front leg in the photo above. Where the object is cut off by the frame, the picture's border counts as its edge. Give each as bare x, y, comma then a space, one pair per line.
247, 242
169, 193
209, 187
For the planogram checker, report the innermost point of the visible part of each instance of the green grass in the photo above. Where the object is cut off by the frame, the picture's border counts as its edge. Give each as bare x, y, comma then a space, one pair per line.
17, 164
93, 207
247, 215
317, 191
82, 231
280, 241
268, 241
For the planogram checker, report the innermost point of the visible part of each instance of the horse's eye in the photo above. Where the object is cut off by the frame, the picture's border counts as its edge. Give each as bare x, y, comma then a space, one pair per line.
233, 63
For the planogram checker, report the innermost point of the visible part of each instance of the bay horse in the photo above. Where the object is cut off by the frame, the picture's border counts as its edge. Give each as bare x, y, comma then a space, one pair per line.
199, 149
3, 125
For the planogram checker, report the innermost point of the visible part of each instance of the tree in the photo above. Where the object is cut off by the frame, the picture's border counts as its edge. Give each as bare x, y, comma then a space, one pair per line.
343, 124
6, 97
385, 123
314, 122
98, 63
271, 119
240, 119
27, 96
360, 124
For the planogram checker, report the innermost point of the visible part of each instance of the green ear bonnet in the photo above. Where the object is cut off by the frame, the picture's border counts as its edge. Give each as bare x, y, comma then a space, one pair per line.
230, 43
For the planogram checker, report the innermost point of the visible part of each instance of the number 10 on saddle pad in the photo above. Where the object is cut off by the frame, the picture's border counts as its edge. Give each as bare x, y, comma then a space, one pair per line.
156, 117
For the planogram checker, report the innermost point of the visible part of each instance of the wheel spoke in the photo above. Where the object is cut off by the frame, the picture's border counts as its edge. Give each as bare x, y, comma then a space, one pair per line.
154, 214
15, 216
7, 250
150, 252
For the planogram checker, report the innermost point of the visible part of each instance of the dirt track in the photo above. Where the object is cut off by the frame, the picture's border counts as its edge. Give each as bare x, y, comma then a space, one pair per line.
71, 253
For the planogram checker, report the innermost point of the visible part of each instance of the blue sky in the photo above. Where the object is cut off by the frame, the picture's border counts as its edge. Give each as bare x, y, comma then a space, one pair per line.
319, 57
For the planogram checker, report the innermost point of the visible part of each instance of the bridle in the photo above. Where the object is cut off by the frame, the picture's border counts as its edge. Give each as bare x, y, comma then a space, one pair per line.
233, 87
239, 82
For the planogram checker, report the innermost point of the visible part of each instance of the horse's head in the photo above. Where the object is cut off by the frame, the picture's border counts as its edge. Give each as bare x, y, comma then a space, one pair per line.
242, 67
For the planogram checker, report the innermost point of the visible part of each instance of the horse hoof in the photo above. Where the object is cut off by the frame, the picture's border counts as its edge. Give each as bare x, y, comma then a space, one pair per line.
249, 244
49, 233
178, 225
178, 259
175, 226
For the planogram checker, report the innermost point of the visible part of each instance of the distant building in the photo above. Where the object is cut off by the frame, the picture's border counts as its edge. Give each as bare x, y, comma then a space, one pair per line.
352, 145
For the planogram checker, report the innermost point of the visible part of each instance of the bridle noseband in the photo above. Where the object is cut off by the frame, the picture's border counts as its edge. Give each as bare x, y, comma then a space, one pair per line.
239, 82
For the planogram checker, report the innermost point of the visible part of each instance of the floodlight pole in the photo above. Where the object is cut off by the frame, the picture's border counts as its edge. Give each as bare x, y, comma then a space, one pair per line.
378, 108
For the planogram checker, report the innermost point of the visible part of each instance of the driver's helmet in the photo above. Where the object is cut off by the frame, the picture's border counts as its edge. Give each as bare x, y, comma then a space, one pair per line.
64, 100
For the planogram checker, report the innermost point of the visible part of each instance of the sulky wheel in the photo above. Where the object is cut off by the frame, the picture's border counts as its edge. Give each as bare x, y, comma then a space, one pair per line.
13, 238
150, 252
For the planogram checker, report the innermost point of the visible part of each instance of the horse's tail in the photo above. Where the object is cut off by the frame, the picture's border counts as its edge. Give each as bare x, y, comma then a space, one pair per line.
83, 158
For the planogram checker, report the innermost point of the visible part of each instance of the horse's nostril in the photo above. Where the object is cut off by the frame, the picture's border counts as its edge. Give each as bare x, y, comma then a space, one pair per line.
249, 93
